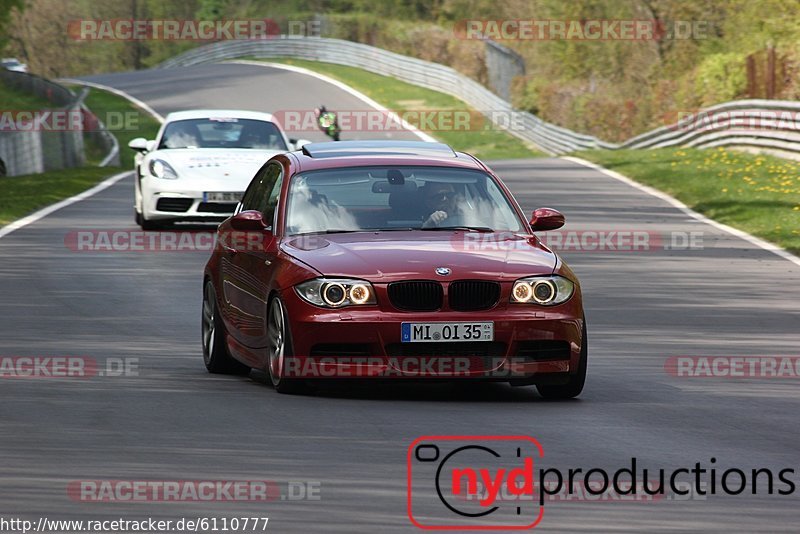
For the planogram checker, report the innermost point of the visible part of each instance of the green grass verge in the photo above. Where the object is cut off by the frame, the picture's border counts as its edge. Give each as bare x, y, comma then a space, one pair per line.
125, 120
20, 195
400, 96
14, 99
756, 193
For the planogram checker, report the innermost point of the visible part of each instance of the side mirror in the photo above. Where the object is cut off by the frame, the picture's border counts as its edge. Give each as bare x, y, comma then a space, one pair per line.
248, 221
139, 144
151, 145
546, 219
299, 143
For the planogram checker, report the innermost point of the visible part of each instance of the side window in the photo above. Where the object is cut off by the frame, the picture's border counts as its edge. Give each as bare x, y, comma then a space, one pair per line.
255, 198
268, 208
250, 198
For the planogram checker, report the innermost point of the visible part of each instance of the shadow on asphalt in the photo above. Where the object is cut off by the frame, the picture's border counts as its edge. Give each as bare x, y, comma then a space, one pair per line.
410, 390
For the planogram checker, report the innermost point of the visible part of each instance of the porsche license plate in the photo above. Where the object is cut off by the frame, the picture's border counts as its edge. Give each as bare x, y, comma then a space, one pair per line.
218, 196
446, 332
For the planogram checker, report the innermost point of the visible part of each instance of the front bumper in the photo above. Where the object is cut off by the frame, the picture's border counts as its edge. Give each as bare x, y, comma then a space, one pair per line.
532, 344
167, 204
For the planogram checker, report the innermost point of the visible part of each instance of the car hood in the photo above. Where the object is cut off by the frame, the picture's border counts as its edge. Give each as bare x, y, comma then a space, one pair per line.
389, 256
231, 166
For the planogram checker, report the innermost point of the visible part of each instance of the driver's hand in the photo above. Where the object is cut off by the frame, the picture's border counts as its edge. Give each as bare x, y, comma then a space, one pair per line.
435, 218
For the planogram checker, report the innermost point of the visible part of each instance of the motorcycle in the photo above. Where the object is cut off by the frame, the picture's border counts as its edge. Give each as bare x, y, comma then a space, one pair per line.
328, 122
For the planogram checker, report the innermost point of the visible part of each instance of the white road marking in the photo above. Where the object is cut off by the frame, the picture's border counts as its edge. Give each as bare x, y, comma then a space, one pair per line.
344, 87
766, 245
156, 115
108, 182
44, 212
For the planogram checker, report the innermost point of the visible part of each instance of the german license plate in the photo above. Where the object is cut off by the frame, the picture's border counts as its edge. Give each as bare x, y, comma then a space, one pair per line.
446, 332
222, 196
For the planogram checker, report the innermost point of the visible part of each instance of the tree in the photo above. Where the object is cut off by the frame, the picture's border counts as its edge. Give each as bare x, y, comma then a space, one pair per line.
7, 7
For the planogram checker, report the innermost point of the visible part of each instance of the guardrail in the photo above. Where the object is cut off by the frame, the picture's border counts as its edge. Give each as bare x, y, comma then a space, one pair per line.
764, 124
27, 150
709, 130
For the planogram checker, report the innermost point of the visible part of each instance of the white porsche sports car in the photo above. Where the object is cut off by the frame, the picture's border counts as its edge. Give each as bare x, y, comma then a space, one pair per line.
200, 163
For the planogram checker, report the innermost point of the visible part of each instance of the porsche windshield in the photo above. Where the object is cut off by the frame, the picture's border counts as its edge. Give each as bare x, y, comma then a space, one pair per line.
396, 198
222, 133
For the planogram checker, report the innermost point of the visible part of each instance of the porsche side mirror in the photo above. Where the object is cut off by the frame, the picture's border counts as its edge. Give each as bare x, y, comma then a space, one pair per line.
299, 143
139, 144
546, 219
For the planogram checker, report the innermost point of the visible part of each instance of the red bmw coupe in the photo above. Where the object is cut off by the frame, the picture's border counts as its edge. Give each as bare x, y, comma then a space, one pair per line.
379, 259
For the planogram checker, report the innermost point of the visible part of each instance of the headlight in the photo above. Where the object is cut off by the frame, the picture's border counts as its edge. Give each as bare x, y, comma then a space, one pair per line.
161, 169
544, 290
336, 292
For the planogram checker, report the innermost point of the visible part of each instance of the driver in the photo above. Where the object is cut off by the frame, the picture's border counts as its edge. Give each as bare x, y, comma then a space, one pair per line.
440, 203
182, 134
253, 137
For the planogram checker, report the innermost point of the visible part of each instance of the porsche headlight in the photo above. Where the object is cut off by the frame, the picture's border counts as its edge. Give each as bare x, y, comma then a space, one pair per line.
161, 169
336, 292
543, 290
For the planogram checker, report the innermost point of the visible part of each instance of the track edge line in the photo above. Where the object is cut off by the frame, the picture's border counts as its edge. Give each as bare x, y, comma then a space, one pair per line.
757, 241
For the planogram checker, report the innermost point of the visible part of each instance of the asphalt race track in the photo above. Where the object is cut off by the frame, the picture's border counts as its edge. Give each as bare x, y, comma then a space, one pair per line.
174, 421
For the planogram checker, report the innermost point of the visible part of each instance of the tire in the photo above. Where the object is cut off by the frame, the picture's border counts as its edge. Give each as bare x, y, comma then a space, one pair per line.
149, 225
574, 386
279, 348
137, 217
215, 353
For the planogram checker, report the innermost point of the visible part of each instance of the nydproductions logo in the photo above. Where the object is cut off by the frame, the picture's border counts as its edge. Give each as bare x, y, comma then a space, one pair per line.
473, 482
494, 482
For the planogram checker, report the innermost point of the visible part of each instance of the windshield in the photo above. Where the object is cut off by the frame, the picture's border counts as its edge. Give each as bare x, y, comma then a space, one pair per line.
397, 198
222, 133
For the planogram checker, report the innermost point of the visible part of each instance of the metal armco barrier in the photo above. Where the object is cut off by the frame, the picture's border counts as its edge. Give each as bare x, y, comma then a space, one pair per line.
742, 123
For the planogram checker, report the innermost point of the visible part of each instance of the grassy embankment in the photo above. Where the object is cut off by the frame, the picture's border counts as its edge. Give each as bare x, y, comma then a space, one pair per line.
479, 139
20, 195
759, 194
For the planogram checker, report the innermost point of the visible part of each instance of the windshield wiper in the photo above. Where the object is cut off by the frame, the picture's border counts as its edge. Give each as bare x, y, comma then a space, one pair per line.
391, 229
331, 232
467, 228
